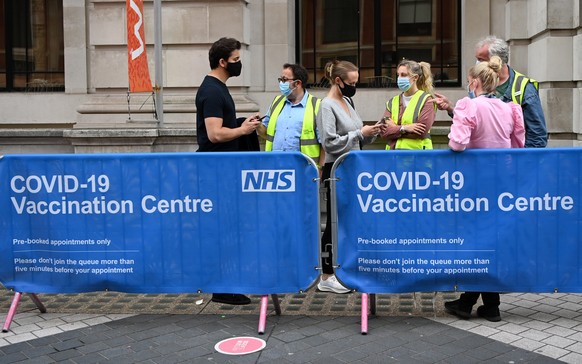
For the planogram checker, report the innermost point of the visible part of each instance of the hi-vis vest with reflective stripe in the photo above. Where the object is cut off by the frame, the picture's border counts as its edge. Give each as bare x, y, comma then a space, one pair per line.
518, 87
409, 116
308, 143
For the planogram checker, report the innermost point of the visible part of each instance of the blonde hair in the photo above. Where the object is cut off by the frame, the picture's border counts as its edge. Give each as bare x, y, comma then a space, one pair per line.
422, 70
337, 68
488, 73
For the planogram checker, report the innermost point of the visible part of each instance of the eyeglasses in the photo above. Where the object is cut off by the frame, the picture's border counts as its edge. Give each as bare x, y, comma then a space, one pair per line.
285, 79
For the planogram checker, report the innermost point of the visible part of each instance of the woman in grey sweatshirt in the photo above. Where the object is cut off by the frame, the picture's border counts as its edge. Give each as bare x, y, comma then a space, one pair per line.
341, 129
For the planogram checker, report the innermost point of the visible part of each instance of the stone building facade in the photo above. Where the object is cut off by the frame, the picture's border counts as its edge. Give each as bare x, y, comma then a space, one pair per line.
94, 115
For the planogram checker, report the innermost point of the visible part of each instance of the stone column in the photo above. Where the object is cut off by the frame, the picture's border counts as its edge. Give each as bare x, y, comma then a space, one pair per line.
74, 19
541, 36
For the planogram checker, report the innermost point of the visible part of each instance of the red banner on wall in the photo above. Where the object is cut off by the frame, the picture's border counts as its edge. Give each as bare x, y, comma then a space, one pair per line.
138, 71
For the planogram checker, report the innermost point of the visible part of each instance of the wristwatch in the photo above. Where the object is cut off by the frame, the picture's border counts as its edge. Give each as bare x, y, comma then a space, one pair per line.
402, 130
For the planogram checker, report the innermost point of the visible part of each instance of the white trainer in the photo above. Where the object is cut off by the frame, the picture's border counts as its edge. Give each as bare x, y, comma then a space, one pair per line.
331, 284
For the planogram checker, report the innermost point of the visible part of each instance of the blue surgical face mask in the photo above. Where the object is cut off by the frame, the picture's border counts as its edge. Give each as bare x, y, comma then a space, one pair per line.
470, 92
285, 88
403, 83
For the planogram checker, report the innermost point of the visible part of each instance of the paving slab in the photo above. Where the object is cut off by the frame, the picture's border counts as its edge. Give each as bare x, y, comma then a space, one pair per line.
315, 327
146, 338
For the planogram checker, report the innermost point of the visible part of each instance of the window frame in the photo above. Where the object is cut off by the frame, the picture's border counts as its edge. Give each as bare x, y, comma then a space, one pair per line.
20, 73
440, 72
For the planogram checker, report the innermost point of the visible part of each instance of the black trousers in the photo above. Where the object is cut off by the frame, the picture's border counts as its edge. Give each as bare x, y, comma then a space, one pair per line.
490, 299
326, 243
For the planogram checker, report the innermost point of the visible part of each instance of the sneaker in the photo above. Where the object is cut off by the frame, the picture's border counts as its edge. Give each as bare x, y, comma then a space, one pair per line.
331, 284
457, 307
489, 313
231, 298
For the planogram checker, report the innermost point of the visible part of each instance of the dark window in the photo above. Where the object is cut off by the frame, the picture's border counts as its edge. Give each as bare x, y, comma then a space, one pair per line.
376, 34
31, 45
414, 17
345, 30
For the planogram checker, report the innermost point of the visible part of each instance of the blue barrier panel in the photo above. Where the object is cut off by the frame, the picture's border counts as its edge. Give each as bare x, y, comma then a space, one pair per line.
159, 223
481, 220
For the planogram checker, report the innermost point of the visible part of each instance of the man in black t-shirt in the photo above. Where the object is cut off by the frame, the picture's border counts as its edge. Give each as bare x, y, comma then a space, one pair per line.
216, 124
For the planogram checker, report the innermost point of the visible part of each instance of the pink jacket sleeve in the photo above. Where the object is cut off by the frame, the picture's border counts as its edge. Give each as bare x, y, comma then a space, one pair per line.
518, 133
463, 124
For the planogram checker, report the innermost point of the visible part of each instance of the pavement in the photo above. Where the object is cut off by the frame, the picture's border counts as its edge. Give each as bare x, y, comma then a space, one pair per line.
314, 327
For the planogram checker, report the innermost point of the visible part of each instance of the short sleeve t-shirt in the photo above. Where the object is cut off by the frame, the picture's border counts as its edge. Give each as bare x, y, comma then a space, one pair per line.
214, 100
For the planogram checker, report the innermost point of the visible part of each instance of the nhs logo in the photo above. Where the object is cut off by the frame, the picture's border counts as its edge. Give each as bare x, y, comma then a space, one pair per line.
268, 180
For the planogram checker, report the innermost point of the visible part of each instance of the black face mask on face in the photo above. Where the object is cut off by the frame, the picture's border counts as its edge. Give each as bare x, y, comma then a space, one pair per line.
348, 90
234, 68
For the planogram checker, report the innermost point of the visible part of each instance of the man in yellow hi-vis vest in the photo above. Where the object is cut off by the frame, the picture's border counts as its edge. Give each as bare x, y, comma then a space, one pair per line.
289, 124
513, 87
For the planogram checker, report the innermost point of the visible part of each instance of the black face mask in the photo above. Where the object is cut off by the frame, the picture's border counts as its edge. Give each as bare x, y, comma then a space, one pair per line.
348, 90
234, 68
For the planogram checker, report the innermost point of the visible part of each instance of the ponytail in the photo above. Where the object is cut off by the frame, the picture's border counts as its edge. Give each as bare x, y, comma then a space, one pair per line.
422, 70
337, 68
488, 73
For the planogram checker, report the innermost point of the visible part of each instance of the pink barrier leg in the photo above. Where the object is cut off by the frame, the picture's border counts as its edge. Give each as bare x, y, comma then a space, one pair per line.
11, 311
364, 314
263, 314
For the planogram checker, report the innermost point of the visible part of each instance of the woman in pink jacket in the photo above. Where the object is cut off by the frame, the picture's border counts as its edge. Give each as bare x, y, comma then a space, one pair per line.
483, 121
